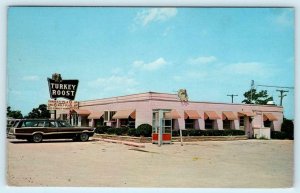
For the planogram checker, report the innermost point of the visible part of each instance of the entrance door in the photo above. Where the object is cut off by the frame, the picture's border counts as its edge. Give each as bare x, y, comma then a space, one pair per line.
161, 127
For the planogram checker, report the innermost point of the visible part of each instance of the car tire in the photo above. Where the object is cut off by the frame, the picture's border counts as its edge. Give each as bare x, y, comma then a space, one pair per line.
37, 138
84, 137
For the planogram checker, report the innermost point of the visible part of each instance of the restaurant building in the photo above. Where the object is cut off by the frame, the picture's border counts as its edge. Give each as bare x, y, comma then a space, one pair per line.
133, 110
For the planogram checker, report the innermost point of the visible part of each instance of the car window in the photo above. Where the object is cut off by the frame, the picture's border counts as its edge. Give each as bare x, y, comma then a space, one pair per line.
33, 123
63, 124
50, 124
15, 123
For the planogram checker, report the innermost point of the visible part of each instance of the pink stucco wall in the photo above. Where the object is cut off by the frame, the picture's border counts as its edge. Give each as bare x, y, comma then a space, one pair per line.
144, 103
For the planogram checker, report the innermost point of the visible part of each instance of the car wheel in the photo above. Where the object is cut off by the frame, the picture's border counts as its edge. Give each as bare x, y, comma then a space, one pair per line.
84, 137
37, 138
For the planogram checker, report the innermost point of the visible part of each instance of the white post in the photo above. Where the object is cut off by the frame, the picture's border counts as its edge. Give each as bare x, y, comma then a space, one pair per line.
160, 118
261, 124
180, 131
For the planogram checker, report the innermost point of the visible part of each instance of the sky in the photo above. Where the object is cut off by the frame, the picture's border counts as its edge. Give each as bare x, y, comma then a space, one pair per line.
114, 51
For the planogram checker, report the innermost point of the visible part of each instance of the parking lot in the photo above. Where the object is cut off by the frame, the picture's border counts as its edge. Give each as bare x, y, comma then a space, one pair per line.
244, 163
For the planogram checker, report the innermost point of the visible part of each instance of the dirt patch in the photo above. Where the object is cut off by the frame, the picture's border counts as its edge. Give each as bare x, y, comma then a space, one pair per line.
205, 164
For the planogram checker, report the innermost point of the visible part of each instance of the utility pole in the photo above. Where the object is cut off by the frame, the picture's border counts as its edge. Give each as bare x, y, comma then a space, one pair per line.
282, 95
232, 95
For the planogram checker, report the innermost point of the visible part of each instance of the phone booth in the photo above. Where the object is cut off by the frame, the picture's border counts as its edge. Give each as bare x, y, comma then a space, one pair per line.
161, 127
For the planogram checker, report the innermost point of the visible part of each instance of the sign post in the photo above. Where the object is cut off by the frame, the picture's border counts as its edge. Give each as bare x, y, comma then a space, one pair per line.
160, 127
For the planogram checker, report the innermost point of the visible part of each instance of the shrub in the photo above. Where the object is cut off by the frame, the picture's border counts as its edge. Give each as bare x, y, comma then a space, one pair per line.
144, 130
287, 127
102, 129
111, 130
121, 131
197, 132
278, 135
131, 132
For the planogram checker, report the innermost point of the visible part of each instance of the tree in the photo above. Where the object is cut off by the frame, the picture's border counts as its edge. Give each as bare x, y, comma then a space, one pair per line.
260, 97
13, 114
287, 127
40, 112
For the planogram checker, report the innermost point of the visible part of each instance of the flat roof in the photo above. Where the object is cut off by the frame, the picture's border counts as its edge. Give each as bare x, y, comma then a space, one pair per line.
155, 96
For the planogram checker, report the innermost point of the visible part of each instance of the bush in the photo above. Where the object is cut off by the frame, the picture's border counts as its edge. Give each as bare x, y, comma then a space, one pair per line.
278, 135
111, 131
121, 131
144, 130
287, 127
197, 132
131, 132
102, 129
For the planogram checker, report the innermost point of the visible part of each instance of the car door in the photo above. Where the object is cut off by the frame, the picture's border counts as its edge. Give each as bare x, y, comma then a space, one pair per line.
50, 128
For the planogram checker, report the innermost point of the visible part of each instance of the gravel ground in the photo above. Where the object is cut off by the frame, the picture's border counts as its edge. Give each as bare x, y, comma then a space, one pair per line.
213, 164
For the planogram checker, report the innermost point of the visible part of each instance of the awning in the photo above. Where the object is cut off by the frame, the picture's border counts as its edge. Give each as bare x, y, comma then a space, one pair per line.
173, 114
229, 115
191, 114
212, 115
81, 111
124, 114
247, 114
269, 116
95, 115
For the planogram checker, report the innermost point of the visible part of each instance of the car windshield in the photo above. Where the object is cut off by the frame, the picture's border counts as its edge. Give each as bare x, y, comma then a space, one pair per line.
64, 124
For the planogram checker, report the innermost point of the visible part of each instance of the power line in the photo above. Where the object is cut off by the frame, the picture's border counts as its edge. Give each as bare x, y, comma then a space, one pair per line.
282, 95
276, 86
232, 95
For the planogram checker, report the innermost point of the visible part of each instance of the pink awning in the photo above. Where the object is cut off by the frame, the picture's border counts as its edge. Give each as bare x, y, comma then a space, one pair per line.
229, 115
212, 115
191, 114
269, 116
81, 111
124, 114
247, 114
173, 114
95, 115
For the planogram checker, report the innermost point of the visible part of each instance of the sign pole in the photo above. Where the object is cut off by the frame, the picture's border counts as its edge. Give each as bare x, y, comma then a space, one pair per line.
160, 117
180, 131
55, 112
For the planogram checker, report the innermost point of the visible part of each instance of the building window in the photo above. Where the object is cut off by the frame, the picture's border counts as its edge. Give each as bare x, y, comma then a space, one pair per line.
189, 124
108, 115
63, 116
267, 123
167, 126
111, 114
209, 124
242, 122
226, 124
130, 122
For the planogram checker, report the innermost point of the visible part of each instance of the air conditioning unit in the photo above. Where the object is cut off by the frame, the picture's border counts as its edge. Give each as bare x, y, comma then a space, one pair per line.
270, 103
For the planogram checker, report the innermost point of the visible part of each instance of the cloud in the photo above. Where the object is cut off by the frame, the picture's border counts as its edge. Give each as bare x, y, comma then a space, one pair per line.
160, 62
31, 78
247, 68
202, 60
147, 16
285, 17
114, 82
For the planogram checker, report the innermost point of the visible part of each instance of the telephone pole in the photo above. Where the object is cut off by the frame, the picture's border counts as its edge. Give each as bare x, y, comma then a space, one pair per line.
232, 95
282, 95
